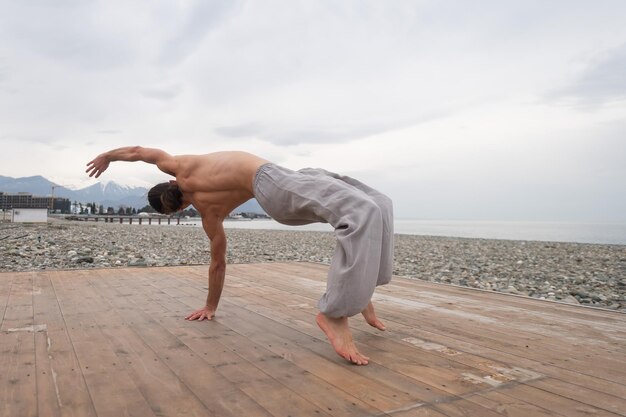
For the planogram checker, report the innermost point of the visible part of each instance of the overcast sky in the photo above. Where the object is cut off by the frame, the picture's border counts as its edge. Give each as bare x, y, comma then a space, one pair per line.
500, 110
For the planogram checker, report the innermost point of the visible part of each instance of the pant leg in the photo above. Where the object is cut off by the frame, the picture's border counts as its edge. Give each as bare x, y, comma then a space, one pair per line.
353, 273
293, 198
386, 206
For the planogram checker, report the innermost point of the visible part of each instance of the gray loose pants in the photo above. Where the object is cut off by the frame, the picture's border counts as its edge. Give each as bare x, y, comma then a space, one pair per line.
363, 222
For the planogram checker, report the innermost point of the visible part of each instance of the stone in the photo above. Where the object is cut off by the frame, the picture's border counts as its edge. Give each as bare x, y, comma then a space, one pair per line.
84, 259
570, 300
546, 269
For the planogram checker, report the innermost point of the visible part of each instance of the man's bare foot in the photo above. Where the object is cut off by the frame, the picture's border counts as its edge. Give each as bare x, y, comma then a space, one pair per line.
340, 337
370, 317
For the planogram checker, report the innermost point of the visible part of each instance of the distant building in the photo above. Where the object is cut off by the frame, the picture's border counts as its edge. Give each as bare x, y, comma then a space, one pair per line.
27, 200
29, 215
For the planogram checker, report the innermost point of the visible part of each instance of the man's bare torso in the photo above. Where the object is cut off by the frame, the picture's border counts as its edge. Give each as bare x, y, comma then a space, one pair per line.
216, 183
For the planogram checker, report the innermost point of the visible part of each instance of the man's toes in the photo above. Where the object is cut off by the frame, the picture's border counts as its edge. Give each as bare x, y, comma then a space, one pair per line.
360, 360
354, 359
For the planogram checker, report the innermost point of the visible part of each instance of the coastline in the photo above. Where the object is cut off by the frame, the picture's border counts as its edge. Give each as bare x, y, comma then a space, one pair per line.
589, 274
580, 232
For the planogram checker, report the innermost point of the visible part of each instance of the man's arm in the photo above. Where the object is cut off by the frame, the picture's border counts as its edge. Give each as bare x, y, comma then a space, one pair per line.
164, 161
217, 270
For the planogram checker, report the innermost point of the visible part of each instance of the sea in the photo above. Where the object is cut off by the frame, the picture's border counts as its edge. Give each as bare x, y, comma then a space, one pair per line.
600, 233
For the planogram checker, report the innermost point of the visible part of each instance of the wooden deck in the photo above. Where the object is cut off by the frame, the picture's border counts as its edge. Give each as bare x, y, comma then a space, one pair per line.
114, 343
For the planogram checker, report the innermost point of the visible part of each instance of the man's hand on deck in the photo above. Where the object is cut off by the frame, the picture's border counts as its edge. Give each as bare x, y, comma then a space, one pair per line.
203, 313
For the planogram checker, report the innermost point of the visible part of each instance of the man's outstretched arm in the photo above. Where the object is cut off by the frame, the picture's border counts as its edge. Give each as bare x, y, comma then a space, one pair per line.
217, 270
164, 161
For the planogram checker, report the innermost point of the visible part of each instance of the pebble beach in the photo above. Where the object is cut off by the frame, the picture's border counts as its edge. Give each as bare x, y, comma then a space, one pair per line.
576, 273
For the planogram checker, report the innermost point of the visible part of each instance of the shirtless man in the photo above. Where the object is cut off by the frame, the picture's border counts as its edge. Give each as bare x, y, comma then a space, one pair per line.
217, 183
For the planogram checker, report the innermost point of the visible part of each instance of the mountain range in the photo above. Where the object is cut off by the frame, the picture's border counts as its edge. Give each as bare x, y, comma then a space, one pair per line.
110, 194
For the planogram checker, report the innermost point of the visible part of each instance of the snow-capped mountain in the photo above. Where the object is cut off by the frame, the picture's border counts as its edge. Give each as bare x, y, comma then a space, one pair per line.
114, 194
108, 194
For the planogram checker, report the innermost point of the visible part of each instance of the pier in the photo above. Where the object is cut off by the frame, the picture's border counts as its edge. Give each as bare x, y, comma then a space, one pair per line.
126, 219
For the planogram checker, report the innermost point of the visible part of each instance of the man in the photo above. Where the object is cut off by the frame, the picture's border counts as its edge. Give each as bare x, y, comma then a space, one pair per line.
215, 184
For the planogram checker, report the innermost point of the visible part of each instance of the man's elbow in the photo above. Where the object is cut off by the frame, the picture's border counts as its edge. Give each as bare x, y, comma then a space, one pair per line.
137, 152
218, 265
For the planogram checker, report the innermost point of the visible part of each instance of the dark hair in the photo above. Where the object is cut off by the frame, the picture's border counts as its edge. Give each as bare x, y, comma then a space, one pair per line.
166, 198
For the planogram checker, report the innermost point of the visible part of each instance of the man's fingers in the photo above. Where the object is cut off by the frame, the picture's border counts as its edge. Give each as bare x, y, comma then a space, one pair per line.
93, 171
200, 316
194, 316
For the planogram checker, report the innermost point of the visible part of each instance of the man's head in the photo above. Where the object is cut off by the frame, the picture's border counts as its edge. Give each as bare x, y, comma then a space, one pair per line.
166, 197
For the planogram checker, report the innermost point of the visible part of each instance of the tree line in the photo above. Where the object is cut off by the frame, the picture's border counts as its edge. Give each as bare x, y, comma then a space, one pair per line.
99, 209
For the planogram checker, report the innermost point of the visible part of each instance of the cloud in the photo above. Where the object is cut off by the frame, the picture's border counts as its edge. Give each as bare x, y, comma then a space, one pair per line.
246, 130
333, 131
290, 136
4, 70
72, 33
602, 82
102, 36
165, 93
191, 24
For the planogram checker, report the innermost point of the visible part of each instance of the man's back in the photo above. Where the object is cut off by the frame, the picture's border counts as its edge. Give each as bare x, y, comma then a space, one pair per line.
217, 182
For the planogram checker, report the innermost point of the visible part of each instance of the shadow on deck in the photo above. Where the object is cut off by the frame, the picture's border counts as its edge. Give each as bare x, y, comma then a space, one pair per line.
114, 342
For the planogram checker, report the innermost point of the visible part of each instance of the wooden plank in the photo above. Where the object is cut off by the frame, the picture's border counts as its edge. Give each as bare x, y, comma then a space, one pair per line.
6, 280
217, 394
301, 353
18, 384
555, 403
317, 391
509, 406
275, 338
609, 368
490, 364
431, 370
536, 312
423, 372
615, 400
576, 392
61, 387
163, 390
310, 361
281, 370
496, 355
314, 389
549, 331
19, 309
48, 399
419, 412
565, 373
506, 405
111, 388
566, 359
